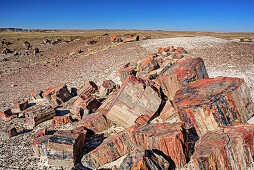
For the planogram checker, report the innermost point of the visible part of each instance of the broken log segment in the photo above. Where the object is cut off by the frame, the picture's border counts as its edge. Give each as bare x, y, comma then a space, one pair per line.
209, 103
227, 148
64, 148
180, 74
38, 114
132, 100
170, 139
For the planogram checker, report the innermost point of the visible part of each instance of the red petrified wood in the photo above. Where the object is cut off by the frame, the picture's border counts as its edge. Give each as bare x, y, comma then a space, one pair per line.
83, 107
149, 64
107, 87
176, 76
144, 160
110, 149
87, 89
57, 95
227, 148
131, 38
21, 105
38, 114
64, 148
209, 103
167, 138
61, 120
132, 100
39, 146
97, 122
124, 72
7, 115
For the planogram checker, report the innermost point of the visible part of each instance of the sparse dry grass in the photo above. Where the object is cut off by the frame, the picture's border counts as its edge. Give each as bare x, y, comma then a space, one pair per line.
93, 34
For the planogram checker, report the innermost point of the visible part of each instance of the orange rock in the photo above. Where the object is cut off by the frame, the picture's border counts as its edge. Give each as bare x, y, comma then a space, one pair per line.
142, 120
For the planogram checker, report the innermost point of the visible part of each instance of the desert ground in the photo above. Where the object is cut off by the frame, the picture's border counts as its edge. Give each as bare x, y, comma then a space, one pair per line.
73, 60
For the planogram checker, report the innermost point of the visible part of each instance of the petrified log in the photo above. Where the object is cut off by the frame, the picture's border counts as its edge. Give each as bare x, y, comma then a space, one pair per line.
131, 38
107, 87
40, 132
227, 148
209, 103
7, 115
97, 122
64, 148
21, 105
124, 72
149, 64
167, 138
144, 160
57, 94
87, 89
142, 120
39, 146
169, 112
38, 114
7, 132
178, 75
37, 94
132, 100
109, 150
61, 120
83, 107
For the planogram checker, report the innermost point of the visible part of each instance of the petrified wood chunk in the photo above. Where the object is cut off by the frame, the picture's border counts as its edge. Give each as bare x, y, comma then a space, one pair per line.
21, 105
97, 122
132, 100
144, 160
87, 89
227, 148
6, 115
7, 132
109, 150
38, 114
107, 87
209, 103
64, 148
57, 94
178, 75
165, 137
124, 72
61, 120
83, 107
39, 146
149, 64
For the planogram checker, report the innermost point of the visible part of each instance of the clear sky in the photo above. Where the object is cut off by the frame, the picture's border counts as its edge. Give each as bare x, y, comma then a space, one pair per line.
189, 15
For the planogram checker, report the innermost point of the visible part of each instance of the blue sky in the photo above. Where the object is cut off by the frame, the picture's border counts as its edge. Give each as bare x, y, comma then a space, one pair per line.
192, 15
